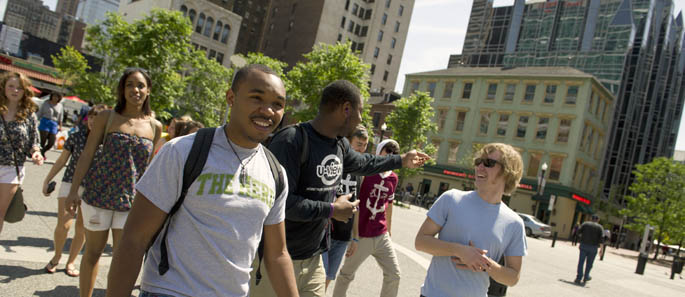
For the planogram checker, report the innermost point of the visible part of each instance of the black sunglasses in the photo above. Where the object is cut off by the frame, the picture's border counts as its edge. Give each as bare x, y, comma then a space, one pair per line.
489, 163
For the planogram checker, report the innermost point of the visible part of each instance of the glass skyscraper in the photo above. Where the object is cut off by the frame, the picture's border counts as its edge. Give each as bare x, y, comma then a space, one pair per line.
634, 47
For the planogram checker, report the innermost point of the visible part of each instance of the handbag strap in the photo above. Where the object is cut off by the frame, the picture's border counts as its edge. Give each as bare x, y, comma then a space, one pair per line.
14, 150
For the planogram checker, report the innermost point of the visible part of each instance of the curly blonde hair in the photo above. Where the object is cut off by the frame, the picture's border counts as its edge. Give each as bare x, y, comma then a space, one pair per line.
26, 105
512, 164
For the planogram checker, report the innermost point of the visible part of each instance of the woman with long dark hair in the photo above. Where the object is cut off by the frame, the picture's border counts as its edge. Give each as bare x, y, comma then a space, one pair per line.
50, 114
125, 138
18, 135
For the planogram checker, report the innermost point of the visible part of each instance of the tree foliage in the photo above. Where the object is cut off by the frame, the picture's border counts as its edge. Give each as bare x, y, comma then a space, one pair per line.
410, 122
70, 64
325, 64
658, 199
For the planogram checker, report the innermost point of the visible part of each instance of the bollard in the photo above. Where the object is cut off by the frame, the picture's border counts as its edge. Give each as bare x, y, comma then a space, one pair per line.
604, 247
641, 263
554, 238
676, 267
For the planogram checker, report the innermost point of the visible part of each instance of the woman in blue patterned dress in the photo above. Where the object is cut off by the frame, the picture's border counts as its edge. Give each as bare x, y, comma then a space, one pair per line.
125, 137
18, 135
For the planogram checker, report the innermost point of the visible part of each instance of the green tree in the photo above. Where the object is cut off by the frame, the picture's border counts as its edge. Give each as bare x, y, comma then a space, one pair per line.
70, 65
326, 63
410, 122
657, 198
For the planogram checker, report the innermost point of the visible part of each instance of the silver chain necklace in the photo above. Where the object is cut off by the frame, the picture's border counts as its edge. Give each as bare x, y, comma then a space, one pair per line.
243, 169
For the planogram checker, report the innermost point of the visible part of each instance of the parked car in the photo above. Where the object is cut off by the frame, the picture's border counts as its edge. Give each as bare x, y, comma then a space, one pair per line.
534, 227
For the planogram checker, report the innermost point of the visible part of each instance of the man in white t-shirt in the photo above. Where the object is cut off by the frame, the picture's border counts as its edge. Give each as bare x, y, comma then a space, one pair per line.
475, 230
213, 238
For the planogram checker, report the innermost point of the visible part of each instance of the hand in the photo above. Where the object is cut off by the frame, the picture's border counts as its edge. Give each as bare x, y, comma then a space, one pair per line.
343, 209
474, 258
72, 203
45, 188
37, 158
351, 248
414, 159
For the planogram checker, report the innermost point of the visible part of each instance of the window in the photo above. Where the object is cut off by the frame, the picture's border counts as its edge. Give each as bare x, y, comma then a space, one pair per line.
401, 10
571, 95
502, 124
347, 4
414, 87
583, 140
592, 102
384, 19
376, 119
452, 157
200, 23
389, 59
447, 92
461, 119
357, 30
385, 76
397, 26
353, 46
442, 115
600, 109
292, 11
220, 58
392, 42
555, 167
217, 30
365, 30
530, 94
373, 68
380, 35
509, 93
522, 127
355, 8
492, 92
361, 13
368, 14
431, 89
543, 123
225, 33
184, 10
550, 92
387, 3
436, 144
466, 93
590, 140
534, 164
339, 37
208, 27
564, 130
191, 16
360, 47
212, 54
350, 26
484, 122
376, 51
342, 24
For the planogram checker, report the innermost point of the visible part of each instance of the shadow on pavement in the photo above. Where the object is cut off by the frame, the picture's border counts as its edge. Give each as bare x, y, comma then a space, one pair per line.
42, 213
17, 272
26, 241
65, 291
572, 283
659, 262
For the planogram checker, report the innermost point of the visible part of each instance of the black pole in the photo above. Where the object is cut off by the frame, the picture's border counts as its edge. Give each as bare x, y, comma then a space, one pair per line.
554, 238
604, 247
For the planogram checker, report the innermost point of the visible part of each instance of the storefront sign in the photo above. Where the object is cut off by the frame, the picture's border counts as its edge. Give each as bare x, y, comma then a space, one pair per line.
458, 174
580, 199
525, 186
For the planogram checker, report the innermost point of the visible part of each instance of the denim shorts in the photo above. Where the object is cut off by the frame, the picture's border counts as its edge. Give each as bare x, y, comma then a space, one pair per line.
333, 258
48, 125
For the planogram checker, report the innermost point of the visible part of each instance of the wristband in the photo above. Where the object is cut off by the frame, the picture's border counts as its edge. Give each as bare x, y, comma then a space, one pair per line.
355, 240
330, 214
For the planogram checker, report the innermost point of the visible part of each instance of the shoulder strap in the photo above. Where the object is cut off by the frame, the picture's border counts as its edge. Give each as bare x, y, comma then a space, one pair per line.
305, 144
154, 136
191, 170
109, 123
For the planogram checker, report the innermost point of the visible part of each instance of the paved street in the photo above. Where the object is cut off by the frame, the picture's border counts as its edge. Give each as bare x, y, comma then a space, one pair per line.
27, 247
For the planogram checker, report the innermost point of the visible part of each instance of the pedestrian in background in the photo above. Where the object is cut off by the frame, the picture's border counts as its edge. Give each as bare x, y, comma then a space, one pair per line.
475, 230
574, 235
71, 152
341, 232
51, 113
18, 135
125, 138
172, 130
591, 234
373, 228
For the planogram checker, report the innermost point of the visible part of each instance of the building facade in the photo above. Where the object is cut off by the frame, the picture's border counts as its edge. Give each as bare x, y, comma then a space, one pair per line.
33, 17
634, 47
214, 26
554, 115
93, 12
68, 7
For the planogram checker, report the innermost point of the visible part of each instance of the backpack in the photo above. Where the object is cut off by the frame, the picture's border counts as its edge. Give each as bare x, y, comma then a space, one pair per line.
192, 169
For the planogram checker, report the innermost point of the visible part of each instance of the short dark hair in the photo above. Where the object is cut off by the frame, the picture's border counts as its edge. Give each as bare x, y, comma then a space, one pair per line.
121, 99
242, 73
58, 94
337, 93
360, 132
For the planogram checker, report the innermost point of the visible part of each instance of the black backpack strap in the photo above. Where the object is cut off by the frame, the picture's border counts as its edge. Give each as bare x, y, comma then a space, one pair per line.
191, 170
305, 145
280, 186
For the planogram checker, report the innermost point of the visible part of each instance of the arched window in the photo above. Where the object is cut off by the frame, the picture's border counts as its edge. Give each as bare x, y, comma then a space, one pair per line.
184, 10
217, 30
224, 35
200, 23
191, 15
208, 27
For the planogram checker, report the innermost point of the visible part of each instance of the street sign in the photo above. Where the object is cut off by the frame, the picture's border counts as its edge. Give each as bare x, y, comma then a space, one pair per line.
551, 202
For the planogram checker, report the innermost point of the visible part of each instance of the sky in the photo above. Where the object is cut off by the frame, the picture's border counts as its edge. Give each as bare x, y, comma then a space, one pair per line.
436, 31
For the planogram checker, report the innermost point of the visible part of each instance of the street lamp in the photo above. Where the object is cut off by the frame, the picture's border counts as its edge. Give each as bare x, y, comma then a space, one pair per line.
383, 128
541, 180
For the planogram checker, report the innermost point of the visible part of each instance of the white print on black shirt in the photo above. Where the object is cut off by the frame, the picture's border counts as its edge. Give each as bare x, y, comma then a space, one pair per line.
347, 185
329, 170
380, 193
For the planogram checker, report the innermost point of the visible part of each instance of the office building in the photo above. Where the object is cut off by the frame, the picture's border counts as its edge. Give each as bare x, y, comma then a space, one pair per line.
68, 7
93, 12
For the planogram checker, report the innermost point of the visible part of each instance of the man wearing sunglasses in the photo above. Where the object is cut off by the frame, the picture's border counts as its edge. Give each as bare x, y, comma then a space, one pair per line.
475, 230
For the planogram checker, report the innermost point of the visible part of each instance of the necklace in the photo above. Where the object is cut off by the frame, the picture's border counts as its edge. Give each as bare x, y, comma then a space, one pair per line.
243, 169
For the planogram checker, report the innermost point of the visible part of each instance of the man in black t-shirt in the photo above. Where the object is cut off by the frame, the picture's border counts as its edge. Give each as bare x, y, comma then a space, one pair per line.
313, 182
591, 234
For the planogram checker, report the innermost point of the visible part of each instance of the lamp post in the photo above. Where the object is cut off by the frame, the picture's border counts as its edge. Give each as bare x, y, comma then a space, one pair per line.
383, 128
541, 179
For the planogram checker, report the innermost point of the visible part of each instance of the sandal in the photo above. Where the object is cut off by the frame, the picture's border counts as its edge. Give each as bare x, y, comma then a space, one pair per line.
51, 267
73, 272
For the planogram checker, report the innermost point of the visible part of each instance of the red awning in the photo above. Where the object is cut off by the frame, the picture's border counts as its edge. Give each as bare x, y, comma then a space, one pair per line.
77, 99
36, 91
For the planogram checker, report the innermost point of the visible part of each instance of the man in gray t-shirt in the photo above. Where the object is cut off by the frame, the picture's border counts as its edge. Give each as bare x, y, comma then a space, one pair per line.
213, 238
475, 229
591, 234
